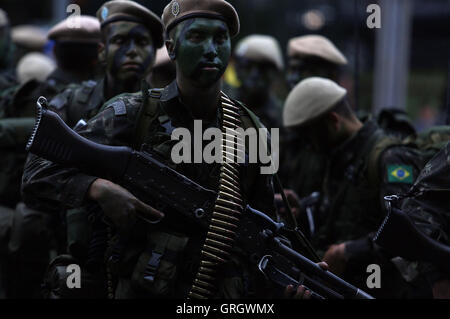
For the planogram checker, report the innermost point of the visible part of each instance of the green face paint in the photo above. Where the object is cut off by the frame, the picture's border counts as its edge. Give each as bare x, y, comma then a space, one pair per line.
202, 51
300, 69
256, 77
130, 52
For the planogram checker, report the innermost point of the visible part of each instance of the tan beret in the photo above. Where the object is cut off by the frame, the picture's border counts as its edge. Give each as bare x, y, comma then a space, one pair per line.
34, 66
310, 99
29, 36
4, 21
179, 10
260, 48
123, 10
76, 29
317, 46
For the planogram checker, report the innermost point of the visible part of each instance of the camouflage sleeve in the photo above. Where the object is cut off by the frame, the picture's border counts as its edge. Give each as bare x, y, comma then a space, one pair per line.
431, 210
46, 185
399, 166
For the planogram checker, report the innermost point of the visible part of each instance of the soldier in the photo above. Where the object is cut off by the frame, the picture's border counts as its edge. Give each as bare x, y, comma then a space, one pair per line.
427, 204
7, 78
308, 56
258, 62
363, 166
198, 41
75, 51
130, 36
31, 234
313, 55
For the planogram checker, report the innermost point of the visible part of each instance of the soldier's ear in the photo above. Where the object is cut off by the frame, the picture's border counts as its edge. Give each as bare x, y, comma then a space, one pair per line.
170, 45
101, 53
334, 121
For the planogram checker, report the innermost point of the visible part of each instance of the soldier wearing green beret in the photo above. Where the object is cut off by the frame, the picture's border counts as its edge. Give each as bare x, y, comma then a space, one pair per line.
362, 166
198, 41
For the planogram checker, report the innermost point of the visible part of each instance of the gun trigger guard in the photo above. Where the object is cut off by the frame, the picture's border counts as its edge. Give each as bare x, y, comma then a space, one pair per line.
263, 264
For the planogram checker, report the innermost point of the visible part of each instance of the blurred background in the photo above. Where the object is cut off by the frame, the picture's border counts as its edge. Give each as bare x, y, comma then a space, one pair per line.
403, 65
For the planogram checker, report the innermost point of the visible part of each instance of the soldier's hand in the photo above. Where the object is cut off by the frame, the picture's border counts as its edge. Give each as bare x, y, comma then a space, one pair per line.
293, 200
120, 205
336, 258
301, 292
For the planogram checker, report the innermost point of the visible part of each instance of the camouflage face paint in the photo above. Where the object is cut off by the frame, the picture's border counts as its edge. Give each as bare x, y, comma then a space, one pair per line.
202, 50
256, 77
130, 51
300, 69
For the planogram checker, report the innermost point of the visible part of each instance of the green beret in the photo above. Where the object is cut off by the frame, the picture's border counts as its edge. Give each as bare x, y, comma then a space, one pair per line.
179, 10
88, 31
123, 10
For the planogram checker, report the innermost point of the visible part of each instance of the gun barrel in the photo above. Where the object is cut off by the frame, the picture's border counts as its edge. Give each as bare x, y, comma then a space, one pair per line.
307, 266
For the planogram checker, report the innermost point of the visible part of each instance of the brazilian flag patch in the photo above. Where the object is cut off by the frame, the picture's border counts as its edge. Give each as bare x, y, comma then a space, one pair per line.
400, 174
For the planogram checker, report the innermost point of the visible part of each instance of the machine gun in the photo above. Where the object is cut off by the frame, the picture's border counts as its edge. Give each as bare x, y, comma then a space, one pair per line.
265, 240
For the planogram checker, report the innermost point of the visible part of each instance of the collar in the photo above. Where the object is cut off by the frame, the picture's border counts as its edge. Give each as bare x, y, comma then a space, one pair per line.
179, 113
355, 145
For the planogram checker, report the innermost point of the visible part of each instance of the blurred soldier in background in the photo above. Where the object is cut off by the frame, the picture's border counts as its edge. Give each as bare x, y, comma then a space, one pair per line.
313, 55
130, 36
7, 77
31, 237
34, 66
303, 168
258, 61
27, 39
75, 51
163, 72
362, 166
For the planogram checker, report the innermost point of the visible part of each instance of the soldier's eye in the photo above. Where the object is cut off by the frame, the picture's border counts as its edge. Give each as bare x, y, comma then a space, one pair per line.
195, 37
143, 41
118, 40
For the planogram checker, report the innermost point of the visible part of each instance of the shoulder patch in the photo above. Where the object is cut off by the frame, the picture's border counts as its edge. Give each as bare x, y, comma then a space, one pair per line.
119, 108
400, 174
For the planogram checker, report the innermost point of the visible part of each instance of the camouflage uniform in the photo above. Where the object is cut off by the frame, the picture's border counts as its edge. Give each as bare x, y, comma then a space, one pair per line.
358, 175
429, 207
177, 239
79, 102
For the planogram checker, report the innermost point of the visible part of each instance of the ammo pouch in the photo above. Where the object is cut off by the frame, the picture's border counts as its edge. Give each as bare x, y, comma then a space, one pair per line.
59, 277
156, 269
